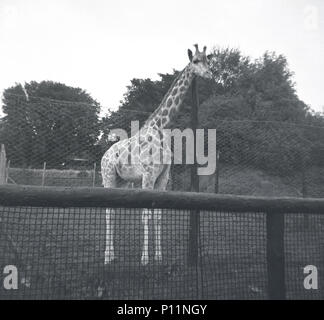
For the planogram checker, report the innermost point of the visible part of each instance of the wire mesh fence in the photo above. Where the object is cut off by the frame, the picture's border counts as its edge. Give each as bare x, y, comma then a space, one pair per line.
55, 143
59, 252
303, 246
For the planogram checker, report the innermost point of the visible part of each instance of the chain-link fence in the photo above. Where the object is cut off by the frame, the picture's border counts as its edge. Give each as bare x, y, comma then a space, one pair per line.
54, 143
59, 252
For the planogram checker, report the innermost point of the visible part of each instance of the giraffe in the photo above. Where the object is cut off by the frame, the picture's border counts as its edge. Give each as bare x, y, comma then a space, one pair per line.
144, 169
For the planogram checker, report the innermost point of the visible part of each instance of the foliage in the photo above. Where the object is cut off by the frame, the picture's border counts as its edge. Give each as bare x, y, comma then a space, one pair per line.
55, 124
259, 118
253, 105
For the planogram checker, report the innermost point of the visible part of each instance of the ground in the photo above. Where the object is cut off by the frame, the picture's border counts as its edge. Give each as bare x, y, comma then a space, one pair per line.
233, 179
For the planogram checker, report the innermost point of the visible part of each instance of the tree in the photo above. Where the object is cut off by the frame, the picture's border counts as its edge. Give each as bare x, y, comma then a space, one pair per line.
262, 95
56, 123
252, 104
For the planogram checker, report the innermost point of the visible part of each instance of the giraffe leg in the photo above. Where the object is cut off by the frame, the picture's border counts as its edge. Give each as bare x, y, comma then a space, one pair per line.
157, 233
109, 180
109, 252
145, 219
161, 184
147, 183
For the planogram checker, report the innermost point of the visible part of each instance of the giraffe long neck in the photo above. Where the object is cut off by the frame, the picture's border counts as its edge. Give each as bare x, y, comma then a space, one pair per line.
172, 101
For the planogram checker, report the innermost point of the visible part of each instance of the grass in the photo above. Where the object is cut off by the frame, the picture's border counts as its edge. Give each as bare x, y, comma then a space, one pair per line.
240, 180
54, 177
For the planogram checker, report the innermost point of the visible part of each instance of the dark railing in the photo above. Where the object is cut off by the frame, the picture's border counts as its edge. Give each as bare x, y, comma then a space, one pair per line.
230, 229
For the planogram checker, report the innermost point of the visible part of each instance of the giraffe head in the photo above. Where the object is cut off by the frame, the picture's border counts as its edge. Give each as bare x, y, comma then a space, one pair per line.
199, 63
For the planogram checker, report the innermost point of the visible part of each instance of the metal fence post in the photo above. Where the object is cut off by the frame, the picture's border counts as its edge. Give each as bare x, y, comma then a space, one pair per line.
43, 174
275, 255
7, 171
194, 214
304, 191
94, 175
3, 165
217, 173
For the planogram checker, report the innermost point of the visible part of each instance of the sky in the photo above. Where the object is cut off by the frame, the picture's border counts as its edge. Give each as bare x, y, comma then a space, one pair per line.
100, 45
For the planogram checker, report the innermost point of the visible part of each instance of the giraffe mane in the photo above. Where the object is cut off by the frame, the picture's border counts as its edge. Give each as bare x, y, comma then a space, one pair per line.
156, 111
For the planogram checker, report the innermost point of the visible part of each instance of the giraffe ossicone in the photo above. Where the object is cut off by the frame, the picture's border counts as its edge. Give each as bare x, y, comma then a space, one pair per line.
118, 173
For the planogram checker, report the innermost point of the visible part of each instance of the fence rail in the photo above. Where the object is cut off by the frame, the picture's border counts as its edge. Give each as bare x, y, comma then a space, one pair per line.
258, 241
18, 195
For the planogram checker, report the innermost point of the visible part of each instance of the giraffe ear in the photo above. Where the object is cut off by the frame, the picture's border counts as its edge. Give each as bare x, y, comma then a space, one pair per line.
190, 55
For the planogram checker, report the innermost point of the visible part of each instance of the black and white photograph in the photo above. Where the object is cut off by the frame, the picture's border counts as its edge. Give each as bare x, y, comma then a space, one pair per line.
167, 151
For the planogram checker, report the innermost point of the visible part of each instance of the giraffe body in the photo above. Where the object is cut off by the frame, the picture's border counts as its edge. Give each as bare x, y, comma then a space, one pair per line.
140, 159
